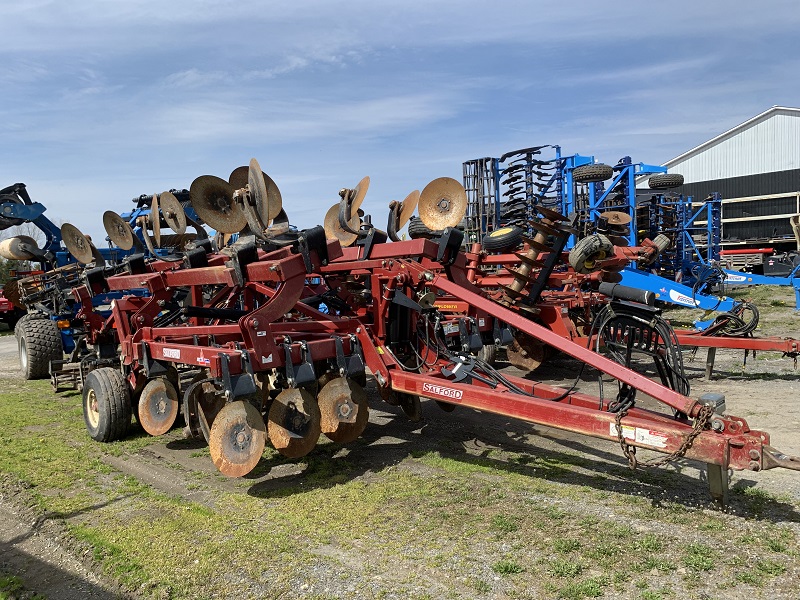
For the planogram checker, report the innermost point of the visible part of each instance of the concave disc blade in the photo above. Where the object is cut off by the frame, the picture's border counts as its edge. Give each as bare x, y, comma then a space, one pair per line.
77, 244
407, 208
443, 203
212, 200
239, 178
118, 229
155, 220
258, 189
173, 212
334, 231
237, 439
526, 353
294, 423
359, 195
344, 410
158, 406
616, 217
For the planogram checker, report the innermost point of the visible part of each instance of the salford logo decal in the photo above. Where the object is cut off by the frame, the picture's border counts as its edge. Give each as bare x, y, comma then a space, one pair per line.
172, 353
681, 298
438, 390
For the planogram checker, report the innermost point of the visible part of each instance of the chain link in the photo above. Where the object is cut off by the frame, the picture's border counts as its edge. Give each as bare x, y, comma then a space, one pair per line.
701, 423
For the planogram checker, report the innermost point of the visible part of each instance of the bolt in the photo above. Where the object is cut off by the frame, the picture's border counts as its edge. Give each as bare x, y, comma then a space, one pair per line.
754, 465
754, 454
358, 329
717, 425
254, 323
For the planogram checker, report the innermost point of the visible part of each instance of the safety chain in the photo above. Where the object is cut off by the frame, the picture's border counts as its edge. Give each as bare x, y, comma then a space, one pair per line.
701, 422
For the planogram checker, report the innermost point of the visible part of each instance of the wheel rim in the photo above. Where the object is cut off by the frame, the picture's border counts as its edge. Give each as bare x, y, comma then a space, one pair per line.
92, 411
23, 354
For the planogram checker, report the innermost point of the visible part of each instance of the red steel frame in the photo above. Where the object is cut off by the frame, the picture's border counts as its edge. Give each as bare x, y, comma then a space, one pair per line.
274, 284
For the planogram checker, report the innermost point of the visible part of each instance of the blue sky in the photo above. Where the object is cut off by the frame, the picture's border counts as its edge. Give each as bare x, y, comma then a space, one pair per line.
102, 101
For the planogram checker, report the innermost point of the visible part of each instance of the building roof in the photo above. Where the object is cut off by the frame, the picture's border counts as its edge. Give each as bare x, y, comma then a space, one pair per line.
771, 112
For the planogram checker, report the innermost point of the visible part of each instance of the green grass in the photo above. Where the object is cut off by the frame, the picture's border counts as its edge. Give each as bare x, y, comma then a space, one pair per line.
508, 523
507, 567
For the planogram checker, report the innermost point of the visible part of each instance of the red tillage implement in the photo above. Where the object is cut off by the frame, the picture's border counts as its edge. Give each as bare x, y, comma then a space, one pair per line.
270, 361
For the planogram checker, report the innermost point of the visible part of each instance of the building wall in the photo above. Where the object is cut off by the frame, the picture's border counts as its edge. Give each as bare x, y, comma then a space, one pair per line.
749, 222
772, 145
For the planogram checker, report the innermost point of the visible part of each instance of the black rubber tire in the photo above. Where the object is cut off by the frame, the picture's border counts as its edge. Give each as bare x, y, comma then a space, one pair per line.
112, 420
38, 343
591, 248
31, 316
418, 229
503, 238
592, 173
665, 181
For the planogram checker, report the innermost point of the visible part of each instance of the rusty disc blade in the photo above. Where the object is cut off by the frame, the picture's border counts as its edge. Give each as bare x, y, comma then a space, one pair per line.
11, 293
155, 220
209, 403
359, 193
407, 208
334, 231
239, 179
616, 217
526, 353
411, 405
443, 203
77, 244
174, 215
237, 440
294, 423
212, 200
158, 406
344, 410
267, 195
118, 229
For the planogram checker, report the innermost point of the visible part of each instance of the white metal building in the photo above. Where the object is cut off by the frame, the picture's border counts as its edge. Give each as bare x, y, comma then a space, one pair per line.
755, 166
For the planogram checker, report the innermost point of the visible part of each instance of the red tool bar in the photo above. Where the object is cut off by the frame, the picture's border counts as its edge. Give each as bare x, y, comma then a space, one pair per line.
772, 344
640, 382
640, 428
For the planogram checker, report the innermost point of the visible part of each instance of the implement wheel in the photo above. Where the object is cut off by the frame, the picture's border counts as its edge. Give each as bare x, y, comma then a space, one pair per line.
106, 405
294, 423
592, 173
237, 440
344, 410
584, 256
665, 181
418, 229
502, 239
39, 342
